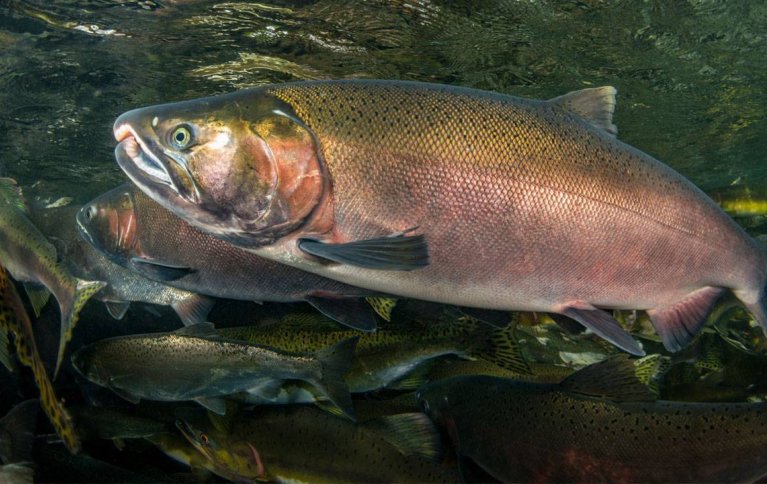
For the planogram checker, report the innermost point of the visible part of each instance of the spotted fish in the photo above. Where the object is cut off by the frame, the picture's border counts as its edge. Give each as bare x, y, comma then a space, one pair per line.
14, 320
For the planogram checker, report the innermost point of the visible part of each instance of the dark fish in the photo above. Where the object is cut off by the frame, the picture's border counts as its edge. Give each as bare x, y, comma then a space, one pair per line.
17, 432
598, 425
123, 285
452, 195
195, 363
135, 232
302, 444
30, 257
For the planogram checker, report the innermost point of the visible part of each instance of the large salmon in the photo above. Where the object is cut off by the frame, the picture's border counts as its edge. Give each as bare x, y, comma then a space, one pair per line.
523, 204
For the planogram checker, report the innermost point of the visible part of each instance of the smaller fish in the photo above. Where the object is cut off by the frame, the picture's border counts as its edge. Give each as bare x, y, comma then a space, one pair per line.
392, 356
601, 424
31, 258
123, 285
134, 231
14, 320
302, 444
195, 363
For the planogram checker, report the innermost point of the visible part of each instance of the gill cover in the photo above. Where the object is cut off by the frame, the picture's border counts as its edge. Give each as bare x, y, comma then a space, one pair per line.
282, 141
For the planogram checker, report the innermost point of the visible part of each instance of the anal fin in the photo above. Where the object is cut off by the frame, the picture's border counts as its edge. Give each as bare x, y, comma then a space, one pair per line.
678, 324
604, 325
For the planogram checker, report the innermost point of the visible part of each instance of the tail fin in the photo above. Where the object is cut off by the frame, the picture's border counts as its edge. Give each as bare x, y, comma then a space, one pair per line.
70, 313
498, 346
335, 362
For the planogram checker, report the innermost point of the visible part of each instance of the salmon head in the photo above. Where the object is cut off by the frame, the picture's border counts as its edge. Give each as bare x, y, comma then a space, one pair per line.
109, 224
235, 460
241, 166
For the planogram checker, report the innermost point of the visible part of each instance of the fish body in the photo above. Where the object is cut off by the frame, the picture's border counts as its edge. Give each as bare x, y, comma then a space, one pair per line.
389, 355
194, 363
301, 444
452, 195
15, 320
527, 432
139, 234
124, 286
30, 257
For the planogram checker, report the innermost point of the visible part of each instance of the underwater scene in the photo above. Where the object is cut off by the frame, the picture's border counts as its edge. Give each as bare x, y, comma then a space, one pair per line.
383, 241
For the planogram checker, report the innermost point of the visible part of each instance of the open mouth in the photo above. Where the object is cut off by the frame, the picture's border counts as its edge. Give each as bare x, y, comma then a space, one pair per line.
131, 146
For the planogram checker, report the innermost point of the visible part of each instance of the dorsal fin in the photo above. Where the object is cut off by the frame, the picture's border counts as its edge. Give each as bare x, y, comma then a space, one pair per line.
596, 105
614, 378
10, 192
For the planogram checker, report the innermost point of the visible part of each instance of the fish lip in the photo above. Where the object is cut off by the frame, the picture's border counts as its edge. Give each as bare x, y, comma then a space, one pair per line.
137, 158
132, 146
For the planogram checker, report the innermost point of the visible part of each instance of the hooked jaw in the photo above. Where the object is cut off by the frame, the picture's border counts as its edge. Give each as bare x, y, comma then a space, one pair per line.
146, 163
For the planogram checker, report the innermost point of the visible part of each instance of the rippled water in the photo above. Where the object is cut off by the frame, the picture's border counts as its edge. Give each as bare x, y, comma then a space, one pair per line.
691, 75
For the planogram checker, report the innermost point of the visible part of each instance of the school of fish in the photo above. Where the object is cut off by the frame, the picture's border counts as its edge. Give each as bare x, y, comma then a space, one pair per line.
400, 265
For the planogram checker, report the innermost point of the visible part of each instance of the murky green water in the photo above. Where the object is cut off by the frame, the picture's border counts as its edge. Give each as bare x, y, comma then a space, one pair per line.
691, 78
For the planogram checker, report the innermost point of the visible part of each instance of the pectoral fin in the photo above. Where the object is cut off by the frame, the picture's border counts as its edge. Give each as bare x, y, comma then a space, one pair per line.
604, 325
158, 271
353, 312
397, 252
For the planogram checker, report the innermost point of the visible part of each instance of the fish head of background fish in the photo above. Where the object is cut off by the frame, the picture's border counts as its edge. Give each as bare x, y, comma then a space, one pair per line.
233, 460
109, 224
87, 363
241, 166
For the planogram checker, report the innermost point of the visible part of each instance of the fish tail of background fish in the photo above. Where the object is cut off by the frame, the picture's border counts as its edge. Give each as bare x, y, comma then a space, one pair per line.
498, 346
335, 363
71, 303
14, 319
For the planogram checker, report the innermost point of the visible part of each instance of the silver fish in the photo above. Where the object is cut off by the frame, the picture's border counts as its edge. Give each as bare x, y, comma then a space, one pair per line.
195, 363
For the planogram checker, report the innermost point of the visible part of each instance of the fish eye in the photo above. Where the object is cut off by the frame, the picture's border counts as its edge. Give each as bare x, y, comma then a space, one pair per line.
90, 213
204, 439
181, 137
